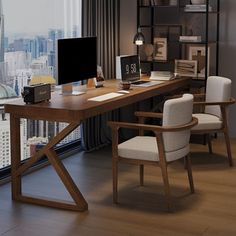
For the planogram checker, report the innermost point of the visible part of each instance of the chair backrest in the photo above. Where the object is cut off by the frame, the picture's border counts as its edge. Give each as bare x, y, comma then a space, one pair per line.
177, 112
218, 89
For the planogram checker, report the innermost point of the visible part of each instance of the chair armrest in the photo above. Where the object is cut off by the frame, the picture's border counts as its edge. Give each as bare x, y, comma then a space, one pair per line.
155, 128
225, 103
148, 114
199, 95
117, 125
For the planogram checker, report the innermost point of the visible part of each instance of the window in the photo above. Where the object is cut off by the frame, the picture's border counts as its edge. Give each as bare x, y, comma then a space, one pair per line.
29, 30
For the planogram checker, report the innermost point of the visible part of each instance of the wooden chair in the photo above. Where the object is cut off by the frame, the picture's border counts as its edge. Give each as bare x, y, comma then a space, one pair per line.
170, 143
214, 118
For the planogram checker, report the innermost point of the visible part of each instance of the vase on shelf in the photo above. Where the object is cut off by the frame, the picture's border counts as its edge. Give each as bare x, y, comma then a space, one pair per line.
148, 50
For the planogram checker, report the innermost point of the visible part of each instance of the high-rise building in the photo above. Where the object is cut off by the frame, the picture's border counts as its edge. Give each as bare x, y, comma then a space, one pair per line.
18, 44
6, 43
73, 136
41, 43
17, 61
2, 49
4, 143
32, 48
59, 34
21, 79
51, 60
1, 33
49, 46
3, 72
52, 36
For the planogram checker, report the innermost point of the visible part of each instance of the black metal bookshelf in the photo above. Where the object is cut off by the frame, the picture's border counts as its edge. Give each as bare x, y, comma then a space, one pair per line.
172, 16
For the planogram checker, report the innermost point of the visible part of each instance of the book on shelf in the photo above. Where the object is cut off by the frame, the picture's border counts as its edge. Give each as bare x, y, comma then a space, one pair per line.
184, 38
158, 3
197, 8
162, 75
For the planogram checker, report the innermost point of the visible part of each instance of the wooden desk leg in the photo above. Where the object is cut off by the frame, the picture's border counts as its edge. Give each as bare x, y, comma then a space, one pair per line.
18, 170
67, 180
15, 156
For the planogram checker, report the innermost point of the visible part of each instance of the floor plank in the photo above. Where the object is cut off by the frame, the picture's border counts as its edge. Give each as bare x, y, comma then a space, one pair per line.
141, 210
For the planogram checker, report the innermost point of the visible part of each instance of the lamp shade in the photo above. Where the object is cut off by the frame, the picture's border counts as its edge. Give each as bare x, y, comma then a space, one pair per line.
139, 38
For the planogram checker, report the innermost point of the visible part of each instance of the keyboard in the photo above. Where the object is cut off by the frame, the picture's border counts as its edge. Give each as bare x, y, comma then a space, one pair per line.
105, 97
139, 82
147, 83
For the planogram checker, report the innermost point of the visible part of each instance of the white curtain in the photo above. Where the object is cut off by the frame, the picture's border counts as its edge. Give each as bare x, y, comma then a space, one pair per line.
72, 18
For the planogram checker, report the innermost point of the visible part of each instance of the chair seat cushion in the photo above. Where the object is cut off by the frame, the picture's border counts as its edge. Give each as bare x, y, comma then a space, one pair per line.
207, 122
145, 148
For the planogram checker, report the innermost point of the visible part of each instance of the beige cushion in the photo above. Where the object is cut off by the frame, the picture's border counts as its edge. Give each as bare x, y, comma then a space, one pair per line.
207, 122
177, 112
218, 89
145, 148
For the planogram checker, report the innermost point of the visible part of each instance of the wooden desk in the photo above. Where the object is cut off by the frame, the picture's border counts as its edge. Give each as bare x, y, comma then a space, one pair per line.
71, 109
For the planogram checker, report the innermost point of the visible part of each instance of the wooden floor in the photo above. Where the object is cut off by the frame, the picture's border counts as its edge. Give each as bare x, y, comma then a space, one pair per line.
142, 210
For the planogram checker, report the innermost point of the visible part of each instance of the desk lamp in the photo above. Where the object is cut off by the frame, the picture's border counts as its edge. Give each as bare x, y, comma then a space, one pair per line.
139, 38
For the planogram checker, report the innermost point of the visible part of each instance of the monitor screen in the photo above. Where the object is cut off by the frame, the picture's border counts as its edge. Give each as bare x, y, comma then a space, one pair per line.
76, 59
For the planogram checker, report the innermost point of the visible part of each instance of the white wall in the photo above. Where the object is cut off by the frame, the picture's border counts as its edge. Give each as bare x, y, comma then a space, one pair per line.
227, 62
128, 26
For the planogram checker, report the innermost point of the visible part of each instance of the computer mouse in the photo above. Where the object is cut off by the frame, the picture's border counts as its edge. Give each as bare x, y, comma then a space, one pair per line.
123, 91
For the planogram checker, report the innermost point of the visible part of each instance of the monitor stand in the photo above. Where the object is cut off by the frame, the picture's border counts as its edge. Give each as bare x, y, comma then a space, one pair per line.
67, 90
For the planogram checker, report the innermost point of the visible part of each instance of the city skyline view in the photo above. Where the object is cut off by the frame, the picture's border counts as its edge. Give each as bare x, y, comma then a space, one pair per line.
28, 33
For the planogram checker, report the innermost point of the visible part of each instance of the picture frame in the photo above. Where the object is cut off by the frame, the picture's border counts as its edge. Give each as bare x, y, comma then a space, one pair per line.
160, 49
186, 68
198, 53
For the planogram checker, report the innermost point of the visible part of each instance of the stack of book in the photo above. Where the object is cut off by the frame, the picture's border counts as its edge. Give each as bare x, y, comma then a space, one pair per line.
162, 75
197, 8
193, 39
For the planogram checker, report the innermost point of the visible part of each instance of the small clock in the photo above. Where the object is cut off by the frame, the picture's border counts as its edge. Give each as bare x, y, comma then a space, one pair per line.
128, 67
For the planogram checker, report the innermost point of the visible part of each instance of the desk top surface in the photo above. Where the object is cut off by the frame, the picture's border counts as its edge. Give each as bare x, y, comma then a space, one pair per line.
74, 108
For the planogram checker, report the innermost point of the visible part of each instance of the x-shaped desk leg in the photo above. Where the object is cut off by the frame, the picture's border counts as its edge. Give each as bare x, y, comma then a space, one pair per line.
80, 203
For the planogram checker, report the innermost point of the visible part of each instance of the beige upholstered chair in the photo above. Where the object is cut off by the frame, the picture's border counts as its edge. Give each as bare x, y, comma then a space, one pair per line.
214, 118
170, 143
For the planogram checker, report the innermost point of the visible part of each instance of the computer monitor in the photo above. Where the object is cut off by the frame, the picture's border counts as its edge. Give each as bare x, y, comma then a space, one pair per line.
76, 61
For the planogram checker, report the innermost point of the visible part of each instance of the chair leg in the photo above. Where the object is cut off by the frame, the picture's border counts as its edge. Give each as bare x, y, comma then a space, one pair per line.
209, 143
227, 141
185, 164
115, 179
141, 171
189, 169
166, 185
